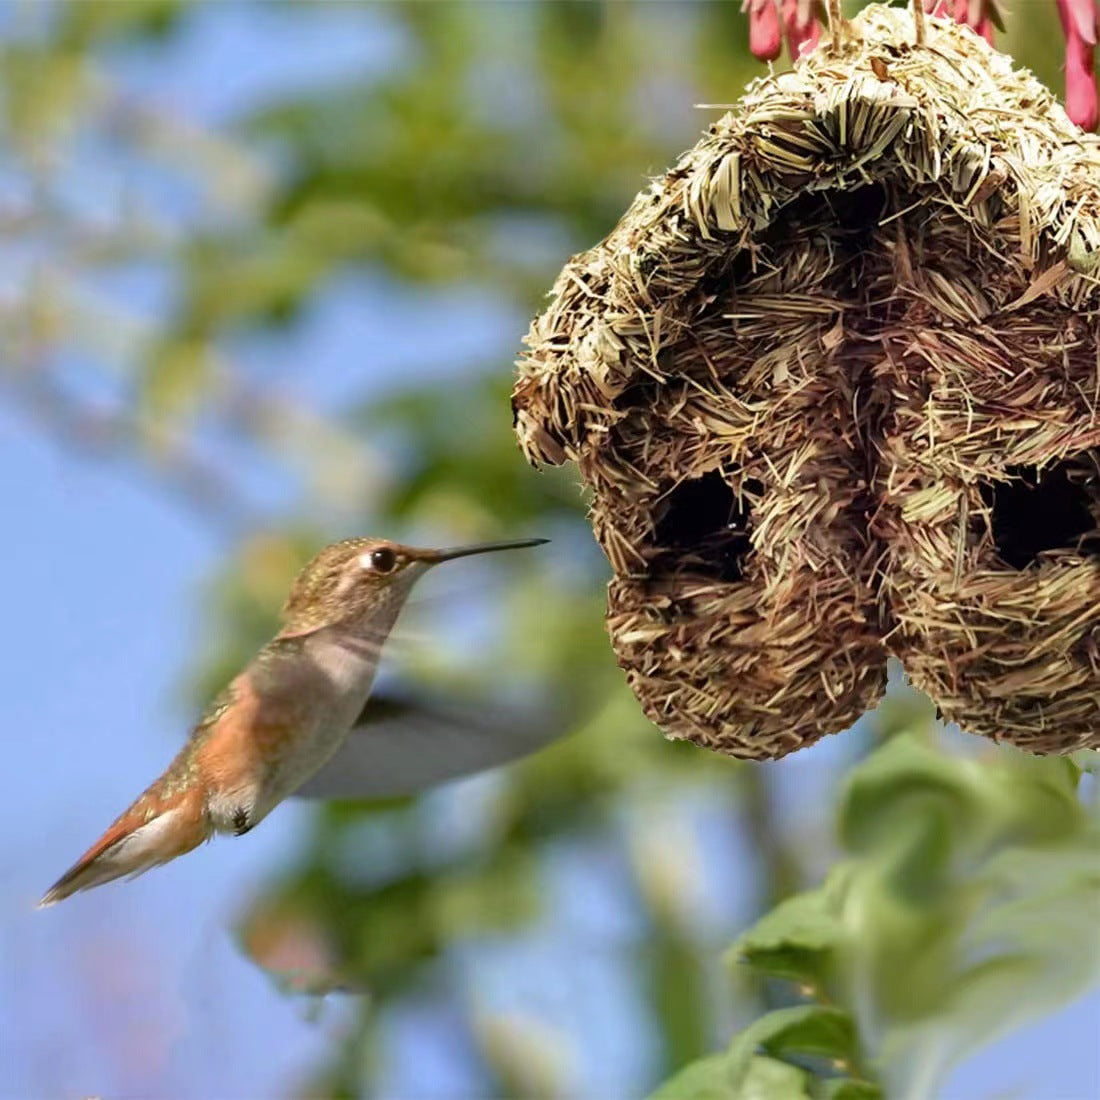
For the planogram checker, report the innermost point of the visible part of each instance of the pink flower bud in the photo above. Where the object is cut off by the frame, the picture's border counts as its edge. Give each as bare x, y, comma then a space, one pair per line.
1080, 16
801, 25
974, 14
1079, 20
764, 38
807, 45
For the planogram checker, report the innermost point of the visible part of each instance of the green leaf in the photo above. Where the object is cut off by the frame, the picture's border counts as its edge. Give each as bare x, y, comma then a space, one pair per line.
944, 806
804, 1029
764, 1079
794, 941
904, 782
706, 1079
845, 1088
768, 1079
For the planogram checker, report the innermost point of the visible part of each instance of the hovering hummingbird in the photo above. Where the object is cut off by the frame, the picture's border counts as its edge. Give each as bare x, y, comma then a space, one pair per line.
301, 718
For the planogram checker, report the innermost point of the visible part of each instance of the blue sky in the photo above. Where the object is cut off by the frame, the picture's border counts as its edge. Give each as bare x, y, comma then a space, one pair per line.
138, 989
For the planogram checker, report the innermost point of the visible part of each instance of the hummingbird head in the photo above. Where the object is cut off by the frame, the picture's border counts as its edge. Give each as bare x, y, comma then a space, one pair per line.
365, 580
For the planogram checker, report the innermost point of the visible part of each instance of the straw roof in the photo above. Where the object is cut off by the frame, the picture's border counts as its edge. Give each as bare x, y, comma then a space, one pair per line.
834, 384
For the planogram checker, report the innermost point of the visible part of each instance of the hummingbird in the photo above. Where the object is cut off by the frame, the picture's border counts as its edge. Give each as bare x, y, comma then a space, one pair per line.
302, 718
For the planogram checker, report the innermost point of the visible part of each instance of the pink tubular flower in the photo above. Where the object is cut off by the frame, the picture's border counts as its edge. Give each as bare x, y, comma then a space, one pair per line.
801, 25
976, 14
1079, 24
979, 15
764, 39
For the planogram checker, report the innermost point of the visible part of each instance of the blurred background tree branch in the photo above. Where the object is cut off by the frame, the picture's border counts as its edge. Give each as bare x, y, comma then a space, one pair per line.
172, 268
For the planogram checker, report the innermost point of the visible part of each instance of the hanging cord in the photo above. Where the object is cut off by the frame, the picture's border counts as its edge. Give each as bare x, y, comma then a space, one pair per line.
918, 20
837, 23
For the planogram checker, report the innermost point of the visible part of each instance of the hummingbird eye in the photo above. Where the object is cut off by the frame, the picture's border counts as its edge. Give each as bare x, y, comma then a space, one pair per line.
383, 560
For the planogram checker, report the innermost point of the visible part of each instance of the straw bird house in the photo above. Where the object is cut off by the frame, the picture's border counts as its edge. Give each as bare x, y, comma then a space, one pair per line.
834, 383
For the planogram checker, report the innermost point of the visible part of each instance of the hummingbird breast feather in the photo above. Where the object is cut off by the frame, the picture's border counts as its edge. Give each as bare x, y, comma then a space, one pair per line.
294, 710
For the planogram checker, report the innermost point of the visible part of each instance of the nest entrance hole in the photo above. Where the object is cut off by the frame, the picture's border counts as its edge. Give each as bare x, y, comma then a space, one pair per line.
847, 218
705, 526
1044, 509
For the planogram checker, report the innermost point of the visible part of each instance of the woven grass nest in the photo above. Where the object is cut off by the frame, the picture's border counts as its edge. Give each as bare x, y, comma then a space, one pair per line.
834, 384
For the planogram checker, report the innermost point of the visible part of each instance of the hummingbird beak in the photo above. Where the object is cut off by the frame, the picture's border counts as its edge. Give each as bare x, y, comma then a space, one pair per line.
434, 557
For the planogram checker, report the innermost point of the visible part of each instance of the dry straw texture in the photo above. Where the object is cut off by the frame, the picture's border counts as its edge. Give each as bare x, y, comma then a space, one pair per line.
834, 383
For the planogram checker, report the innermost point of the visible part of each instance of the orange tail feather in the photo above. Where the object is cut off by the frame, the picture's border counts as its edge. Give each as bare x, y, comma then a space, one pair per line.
152, 831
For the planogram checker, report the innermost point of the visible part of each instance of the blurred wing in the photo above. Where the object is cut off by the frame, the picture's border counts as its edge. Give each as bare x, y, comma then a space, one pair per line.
401, 745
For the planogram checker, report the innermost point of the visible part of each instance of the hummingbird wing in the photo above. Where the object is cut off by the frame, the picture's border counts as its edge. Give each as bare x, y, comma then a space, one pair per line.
402, 744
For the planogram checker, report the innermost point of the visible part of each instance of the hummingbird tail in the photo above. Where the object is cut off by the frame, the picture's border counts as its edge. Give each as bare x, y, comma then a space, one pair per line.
152, 831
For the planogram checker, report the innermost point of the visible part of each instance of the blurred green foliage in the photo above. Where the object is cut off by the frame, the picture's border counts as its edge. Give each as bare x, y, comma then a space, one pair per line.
966, 905
498, 139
